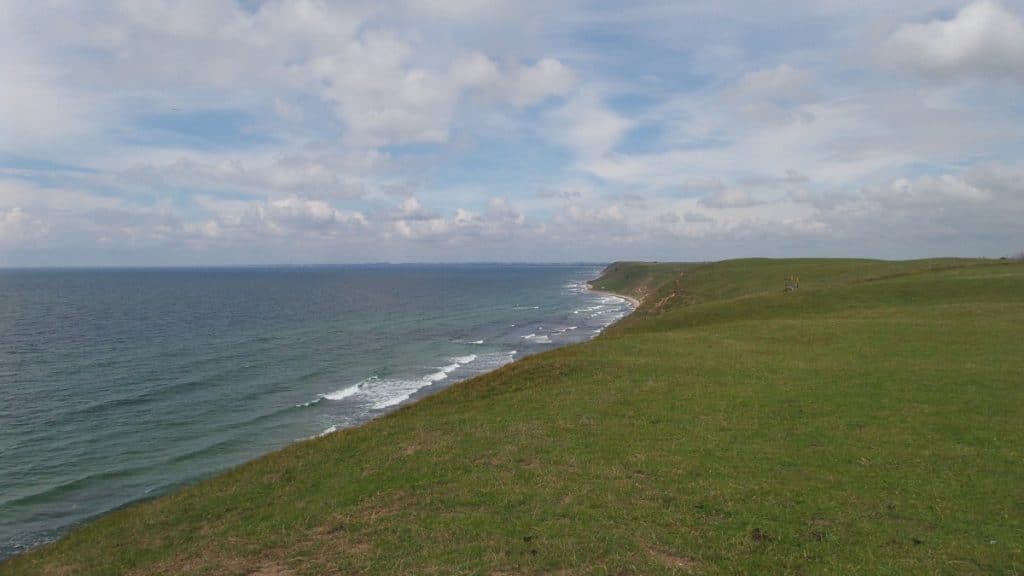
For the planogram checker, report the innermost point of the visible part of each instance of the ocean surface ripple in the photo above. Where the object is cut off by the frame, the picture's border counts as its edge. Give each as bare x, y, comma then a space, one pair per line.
119, 385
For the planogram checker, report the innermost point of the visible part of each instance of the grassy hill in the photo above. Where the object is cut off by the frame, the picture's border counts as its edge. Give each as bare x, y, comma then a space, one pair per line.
867, 423
638, 279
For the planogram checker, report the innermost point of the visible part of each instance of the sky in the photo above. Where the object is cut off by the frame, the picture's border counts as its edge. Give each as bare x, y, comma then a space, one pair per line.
213, 132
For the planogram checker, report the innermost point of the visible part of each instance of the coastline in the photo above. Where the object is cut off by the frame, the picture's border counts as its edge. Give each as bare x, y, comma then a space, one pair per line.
414, 397
429, 390
552, 462
630, 299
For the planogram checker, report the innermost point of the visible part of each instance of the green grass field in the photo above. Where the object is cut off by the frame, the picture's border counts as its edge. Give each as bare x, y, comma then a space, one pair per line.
871, 422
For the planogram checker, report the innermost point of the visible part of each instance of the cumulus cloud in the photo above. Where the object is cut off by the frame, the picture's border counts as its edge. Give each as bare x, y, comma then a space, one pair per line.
412, 209
590, 217
560, 193
186, 55
475, 70
287, 216
502, 212
424, 129
384, 100
422, 229
930, 189
984, 39
946, 192
586, 125
381, 99
17, 226
532, 84
519, 84
501, 220
936, 215
303, 214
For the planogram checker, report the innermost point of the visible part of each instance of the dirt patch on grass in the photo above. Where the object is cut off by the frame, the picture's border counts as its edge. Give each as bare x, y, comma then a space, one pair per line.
382, 506
201, 562
423, 440
684, 563
60, 570
661, 305
272, 569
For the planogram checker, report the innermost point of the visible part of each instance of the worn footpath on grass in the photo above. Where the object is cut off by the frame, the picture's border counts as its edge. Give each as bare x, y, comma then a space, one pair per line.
866, 423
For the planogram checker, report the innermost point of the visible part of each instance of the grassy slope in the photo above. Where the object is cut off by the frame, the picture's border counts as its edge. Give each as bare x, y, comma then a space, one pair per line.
638, 279
869, 423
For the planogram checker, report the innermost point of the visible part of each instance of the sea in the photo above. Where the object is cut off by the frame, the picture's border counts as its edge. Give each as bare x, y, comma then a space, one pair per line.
118, 385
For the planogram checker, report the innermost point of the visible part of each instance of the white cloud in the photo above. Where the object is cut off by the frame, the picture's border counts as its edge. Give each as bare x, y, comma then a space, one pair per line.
381, 98
303, 214
457, 8
475, 70
501, 211
412, 209
928, 189
984, 39
783, 84
728, 198
501, 220
519, 84
777, 95
17, 226
679, 131
422, 229
384, 100
290, 216
605, 215
587, 126
532, 84
37, 112
164, 55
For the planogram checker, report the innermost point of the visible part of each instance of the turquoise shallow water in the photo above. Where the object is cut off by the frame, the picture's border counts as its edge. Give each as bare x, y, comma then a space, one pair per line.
119, 385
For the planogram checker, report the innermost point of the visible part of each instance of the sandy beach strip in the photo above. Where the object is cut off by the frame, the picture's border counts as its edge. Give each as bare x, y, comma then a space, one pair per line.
630, 299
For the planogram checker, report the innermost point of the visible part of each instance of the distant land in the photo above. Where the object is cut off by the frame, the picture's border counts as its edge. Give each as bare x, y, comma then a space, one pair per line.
754, 416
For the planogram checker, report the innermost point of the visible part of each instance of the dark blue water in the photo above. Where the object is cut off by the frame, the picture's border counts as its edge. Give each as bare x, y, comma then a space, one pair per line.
117, 385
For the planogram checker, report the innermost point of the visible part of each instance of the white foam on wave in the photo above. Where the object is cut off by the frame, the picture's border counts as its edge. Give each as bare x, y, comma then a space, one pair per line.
316, 400
477, 342
399, 391
564, 332
438, 376
590, 309
343, 393
336, 395
494, 360
383, 393
538, 338
576, 287
328, 431
395, 391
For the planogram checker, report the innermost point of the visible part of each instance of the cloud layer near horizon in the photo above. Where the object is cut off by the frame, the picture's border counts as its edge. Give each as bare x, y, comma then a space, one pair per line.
219, 132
